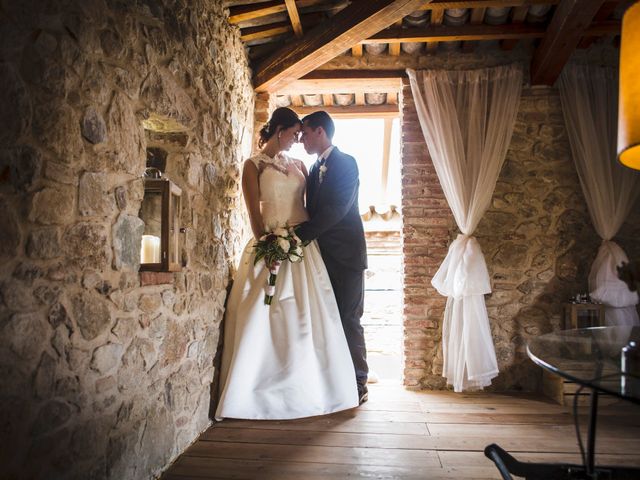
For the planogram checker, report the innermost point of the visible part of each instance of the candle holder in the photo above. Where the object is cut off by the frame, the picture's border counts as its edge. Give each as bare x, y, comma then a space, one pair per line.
160, 212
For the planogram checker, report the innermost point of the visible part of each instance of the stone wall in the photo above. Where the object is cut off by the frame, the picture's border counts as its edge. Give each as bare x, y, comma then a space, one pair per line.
537, 236
264, 107
105, 373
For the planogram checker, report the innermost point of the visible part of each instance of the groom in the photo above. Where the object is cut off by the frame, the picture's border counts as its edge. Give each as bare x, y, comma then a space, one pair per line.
332, 202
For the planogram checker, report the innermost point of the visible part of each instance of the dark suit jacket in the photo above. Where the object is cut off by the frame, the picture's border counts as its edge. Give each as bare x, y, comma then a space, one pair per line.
335, 216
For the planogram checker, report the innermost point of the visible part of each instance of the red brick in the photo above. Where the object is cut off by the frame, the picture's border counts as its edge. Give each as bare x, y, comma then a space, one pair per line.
414, 310
155, 278
416, 364
423, 323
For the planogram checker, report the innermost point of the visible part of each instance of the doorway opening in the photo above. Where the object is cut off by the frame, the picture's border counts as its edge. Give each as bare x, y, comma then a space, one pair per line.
374, 141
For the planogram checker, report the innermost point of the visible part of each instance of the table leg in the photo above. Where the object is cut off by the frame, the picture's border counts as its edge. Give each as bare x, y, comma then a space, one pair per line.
591, 438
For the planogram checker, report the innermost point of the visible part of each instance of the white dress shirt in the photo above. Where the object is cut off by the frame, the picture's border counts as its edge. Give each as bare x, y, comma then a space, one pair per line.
324, 155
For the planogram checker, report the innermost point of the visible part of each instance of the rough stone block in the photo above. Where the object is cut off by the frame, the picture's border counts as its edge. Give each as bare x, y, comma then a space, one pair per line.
91, 315
16, 105
52, 206
127, 238
94, 128
92, 195
53, 414
106, 357
86, 245
44, 243
10, 236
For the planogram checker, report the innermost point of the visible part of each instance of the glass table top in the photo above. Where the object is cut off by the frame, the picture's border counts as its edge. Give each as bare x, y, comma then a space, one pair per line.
591, 357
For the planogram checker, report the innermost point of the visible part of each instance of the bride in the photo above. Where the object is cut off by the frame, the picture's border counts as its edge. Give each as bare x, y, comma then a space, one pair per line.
289, 359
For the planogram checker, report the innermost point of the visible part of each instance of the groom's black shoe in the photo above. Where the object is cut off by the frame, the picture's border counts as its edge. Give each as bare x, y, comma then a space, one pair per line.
363, 394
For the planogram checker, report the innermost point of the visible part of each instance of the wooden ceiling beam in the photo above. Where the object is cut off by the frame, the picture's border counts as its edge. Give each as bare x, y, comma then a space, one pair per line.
294, 17
267, 31
329, 39
274, 29
477, 18
352, 74
245, 13
446, 33
437, 16
340, 86
353, 111
569, 24
443, 4
327, 99
297, 101
518, 15
249, 12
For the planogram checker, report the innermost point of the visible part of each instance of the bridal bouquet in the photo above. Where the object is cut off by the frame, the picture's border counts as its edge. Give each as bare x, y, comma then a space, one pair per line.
275, 247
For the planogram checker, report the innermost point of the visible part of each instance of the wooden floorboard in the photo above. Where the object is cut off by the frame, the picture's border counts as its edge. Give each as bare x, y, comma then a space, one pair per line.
401, 434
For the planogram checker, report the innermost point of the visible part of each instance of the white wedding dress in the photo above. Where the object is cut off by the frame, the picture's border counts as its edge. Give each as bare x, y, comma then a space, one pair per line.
289, 359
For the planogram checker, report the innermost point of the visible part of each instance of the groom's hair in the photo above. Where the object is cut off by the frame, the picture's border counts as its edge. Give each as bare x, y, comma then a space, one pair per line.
320, 119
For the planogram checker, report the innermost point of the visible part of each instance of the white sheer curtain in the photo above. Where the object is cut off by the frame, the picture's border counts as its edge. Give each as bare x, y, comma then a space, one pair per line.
589, 96
467, 119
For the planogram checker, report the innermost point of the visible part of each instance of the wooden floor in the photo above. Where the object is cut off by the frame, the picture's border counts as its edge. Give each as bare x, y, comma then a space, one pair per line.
407, 435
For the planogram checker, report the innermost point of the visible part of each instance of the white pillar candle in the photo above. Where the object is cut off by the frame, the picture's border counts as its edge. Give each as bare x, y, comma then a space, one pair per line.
150, 249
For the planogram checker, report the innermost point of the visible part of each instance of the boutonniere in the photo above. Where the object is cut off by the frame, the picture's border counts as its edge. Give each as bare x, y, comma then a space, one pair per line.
323, 171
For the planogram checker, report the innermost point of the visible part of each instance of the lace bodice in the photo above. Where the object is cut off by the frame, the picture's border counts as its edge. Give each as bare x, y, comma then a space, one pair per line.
282, 187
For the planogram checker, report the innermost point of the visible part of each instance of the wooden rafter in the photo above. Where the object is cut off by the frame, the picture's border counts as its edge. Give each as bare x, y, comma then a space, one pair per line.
570, 22
329, 39
446, 33
327, 99
518, 15
394, 48
443, 4
353, 111
294, 17
246, 13
249, 12
477, 18
437, 15
322, 86
360, 98
334, 81
267, 31
356, 50
352, 74
277, 28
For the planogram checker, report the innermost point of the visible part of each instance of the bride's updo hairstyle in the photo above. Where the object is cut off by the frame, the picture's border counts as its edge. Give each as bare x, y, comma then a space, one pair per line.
282, 117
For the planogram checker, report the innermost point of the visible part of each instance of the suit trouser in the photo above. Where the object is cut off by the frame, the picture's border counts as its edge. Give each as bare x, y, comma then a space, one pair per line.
348, 287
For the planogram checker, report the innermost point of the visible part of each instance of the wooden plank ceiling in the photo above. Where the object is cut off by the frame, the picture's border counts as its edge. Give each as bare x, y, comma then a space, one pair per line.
288, 40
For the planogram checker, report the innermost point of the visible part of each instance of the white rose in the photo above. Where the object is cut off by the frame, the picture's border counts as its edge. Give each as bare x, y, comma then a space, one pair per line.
284, 244
281, 232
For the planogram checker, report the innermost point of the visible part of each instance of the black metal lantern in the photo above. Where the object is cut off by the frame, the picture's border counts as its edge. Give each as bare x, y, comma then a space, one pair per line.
160, 212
